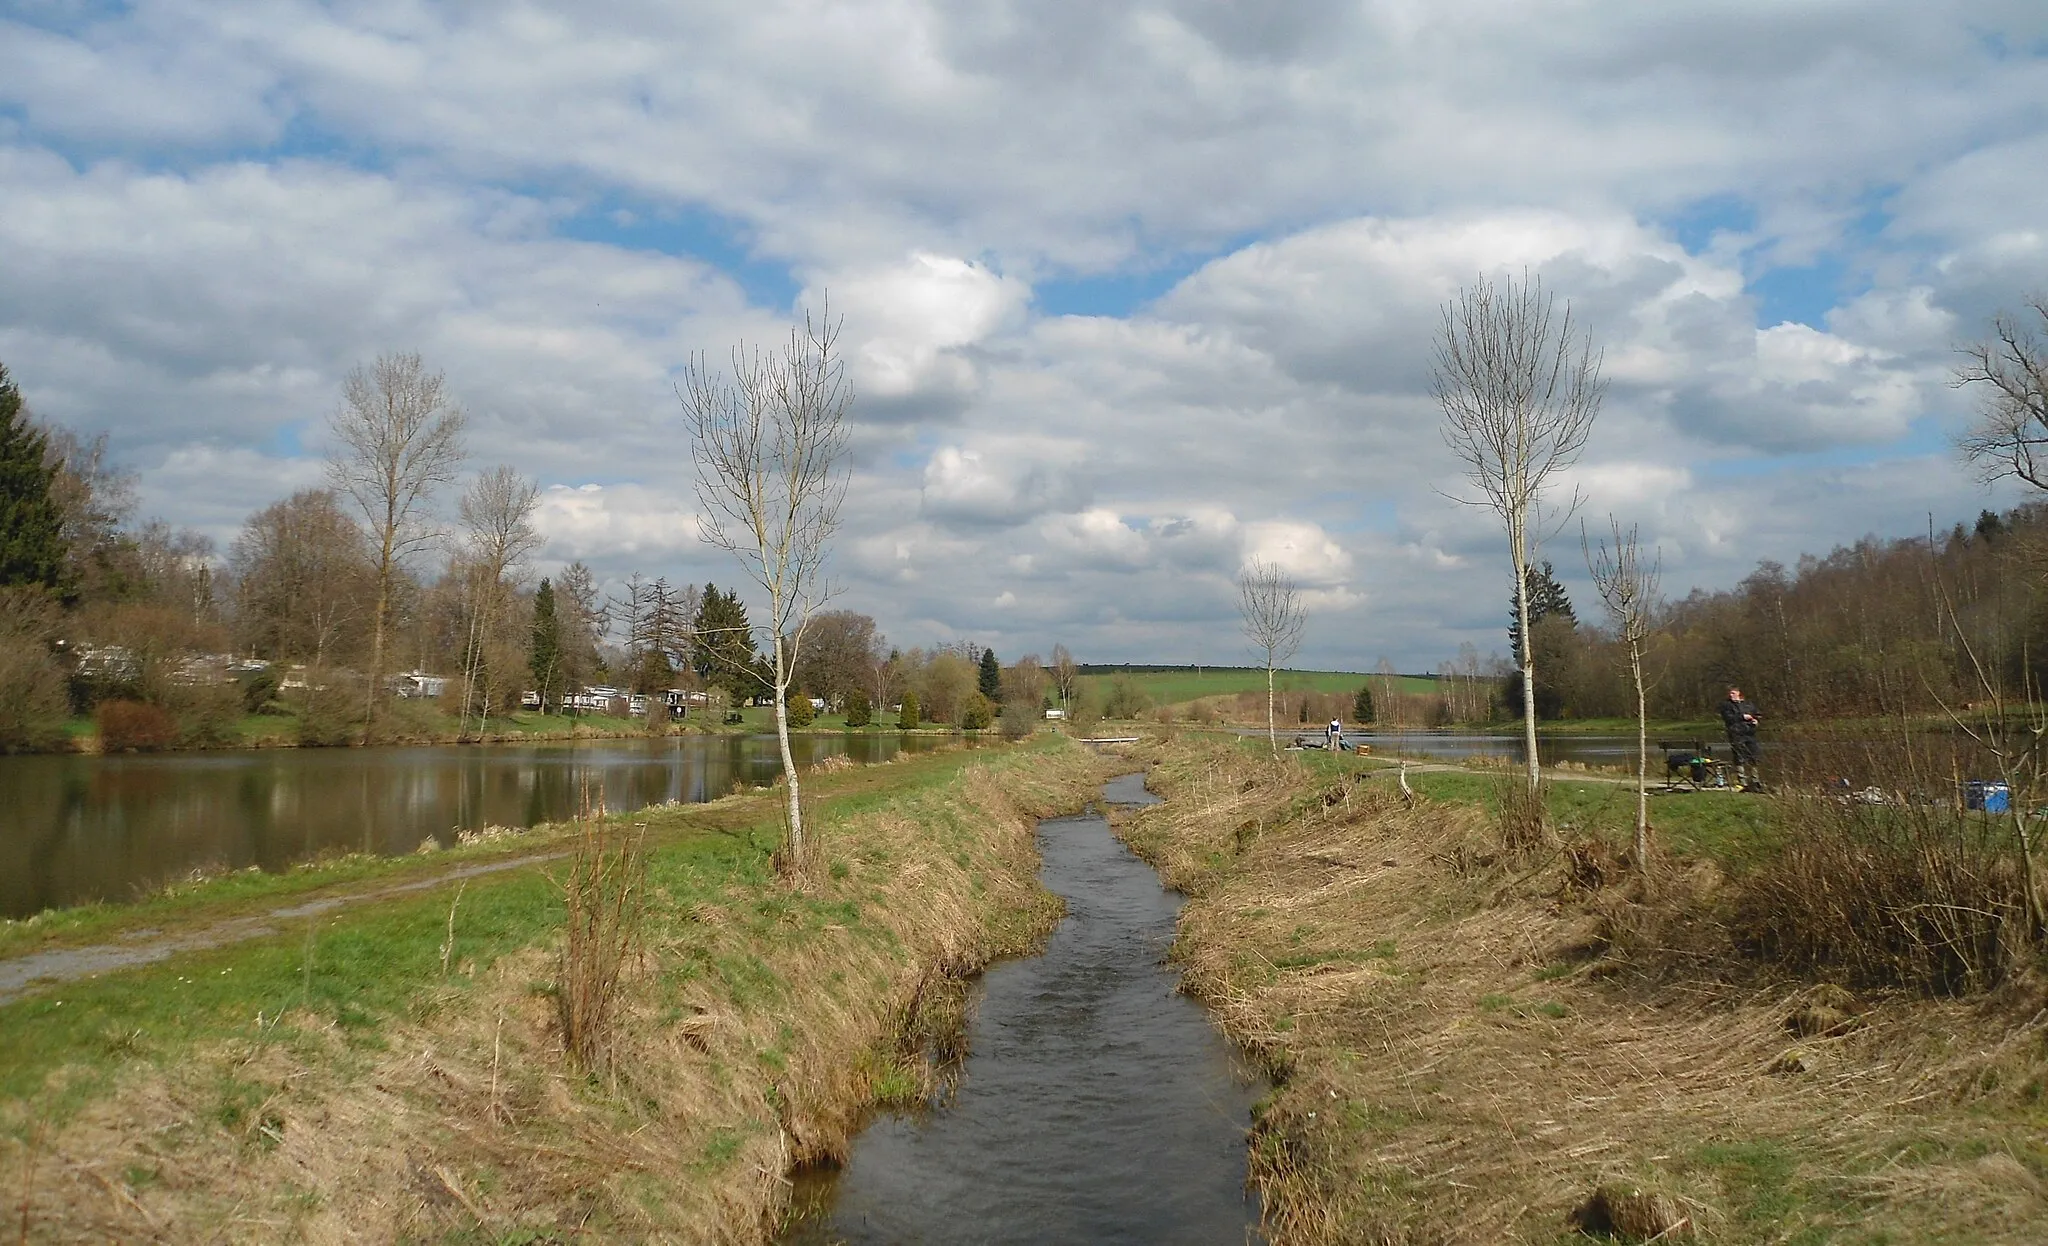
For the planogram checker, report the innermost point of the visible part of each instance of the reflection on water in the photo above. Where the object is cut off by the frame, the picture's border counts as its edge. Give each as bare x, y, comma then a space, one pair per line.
75, 828
1097, 1105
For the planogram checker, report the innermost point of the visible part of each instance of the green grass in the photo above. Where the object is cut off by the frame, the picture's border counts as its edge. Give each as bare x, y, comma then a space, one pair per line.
379, 960
1177, 687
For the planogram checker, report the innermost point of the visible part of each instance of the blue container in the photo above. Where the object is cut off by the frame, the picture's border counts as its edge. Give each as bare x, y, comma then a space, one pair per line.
1987, 796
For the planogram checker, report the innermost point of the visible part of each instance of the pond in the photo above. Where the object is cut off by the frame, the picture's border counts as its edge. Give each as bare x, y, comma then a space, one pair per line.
75, 829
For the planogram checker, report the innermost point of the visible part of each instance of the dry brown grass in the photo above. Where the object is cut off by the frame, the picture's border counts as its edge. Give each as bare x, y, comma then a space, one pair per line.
1470, 1049
751, 1037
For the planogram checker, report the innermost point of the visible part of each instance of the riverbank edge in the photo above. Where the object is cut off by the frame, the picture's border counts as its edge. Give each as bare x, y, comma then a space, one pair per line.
762, 1027
87, 743
1461, 1055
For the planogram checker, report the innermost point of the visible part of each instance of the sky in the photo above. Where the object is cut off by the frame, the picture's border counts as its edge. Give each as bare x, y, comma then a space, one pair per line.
1132, 293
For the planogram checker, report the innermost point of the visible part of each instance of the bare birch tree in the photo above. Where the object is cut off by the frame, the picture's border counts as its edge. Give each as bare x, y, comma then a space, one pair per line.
769, 445
1519, 392
1273, 619
497, 513
1628, 588
398, 438
1066, 677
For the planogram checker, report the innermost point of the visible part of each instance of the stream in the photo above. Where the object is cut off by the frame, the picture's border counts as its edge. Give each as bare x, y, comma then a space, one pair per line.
1097, 1103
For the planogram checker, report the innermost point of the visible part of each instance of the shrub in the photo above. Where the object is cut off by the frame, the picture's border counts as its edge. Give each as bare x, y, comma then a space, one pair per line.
907, 720
1019, 720
206, 713
801, 714
1126, 699
858, 712
976, 712
33, 696
1924, 896
258, 689
135, 725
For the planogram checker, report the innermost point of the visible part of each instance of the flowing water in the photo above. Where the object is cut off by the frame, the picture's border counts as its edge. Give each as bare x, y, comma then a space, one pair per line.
75, 829
1097, 1104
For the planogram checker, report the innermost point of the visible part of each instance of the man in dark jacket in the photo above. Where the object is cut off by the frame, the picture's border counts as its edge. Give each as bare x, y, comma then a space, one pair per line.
1739, 719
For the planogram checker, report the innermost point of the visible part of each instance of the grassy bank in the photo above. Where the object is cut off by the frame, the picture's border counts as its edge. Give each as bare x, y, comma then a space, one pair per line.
1470, 1047
395, 1070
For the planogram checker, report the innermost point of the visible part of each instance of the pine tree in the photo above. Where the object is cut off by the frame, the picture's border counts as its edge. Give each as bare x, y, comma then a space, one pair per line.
1361, 707
722, 649
31, 527
544, 654
991, 676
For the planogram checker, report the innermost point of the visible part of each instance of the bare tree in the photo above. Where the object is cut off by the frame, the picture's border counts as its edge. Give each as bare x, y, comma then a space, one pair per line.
497, 514
1066, 676
301, 570
769, 445
2011, 432
1628, 588
1519, 392
398, 437
1273, 620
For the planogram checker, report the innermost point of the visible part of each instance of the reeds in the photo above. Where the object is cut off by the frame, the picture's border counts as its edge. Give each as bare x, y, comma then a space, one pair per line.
605, 894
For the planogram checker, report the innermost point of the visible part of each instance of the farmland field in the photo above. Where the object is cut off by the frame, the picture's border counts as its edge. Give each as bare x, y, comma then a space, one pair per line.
1173, 687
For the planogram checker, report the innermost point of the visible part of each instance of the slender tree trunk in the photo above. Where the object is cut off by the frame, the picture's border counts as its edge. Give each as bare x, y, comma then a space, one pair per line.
1272, 737
796, 810
377, 652
1635, 666
1518, 547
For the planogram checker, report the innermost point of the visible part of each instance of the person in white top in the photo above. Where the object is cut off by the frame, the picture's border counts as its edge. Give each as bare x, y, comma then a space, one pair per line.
1337, 734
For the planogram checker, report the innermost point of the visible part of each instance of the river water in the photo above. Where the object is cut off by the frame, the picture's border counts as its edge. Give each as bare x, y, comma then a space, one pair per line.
1097, 1104
74, 828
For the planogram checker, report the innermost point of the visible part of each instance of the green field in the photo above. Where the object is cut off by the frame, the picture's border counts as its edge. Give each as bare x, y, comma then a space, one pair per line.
1178, 687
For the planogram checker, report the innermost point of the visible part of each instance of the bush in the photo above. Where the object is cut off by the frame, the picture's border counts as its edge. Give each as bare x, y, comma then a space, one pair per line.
858, 712
976, 712
206, 714
1126, 699
135, 726
1019, 720
33, 696
1924, 896
801, 713
258, 690
907, 720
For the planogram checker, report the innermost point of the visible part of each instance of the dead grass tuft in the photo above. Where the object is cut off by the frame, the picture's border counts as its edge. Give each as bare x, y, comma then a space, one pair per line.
1467, 1047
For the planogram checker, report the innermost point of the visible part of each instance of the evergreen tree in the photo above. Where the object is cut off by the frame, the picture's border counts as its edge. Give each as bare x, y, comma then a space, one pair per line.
801, 712
907, 719
1361, 706
858, 712
544, 653
722, 645
1551, 624
991, 682
31, 525
1547, 599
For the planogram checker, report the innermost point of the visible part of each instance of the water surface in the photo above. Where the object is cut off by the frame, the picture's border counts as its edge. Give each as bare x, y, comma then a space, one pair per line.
1097, 1104
78, 828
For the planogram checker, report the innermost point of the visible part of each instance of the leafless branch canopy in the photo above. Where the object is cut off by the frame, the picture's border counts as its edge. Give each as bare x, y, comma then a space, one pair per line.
399, 437
1518, 388
768, 444
1626, 584
2011, 432
1272, 617
497, 511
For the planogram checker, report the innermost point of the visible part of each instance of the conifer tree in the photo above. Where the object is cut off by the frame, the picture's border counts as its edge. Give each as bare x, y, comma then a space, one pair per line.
544, 653
991, 682
31, 525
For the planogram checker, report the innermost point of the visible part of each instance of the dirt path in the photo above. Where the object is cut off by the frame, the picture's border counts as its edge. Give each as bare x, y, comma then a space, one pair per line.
19, 975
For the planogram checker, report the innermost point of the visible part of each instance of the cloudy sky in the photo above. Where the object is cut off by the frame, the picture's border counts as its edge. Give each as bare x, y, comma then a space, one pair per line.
1134, 292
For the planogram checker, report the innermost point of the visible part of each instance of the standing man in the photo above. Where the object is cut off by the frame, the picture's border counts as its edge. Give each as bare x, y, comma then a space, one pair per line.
1739, 719
1337, 734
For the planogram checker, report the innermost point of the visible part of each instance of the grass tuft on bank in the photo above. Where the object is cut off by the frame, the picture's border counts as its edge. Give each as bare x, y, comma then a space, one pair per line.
398, 1070
1476, 1045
